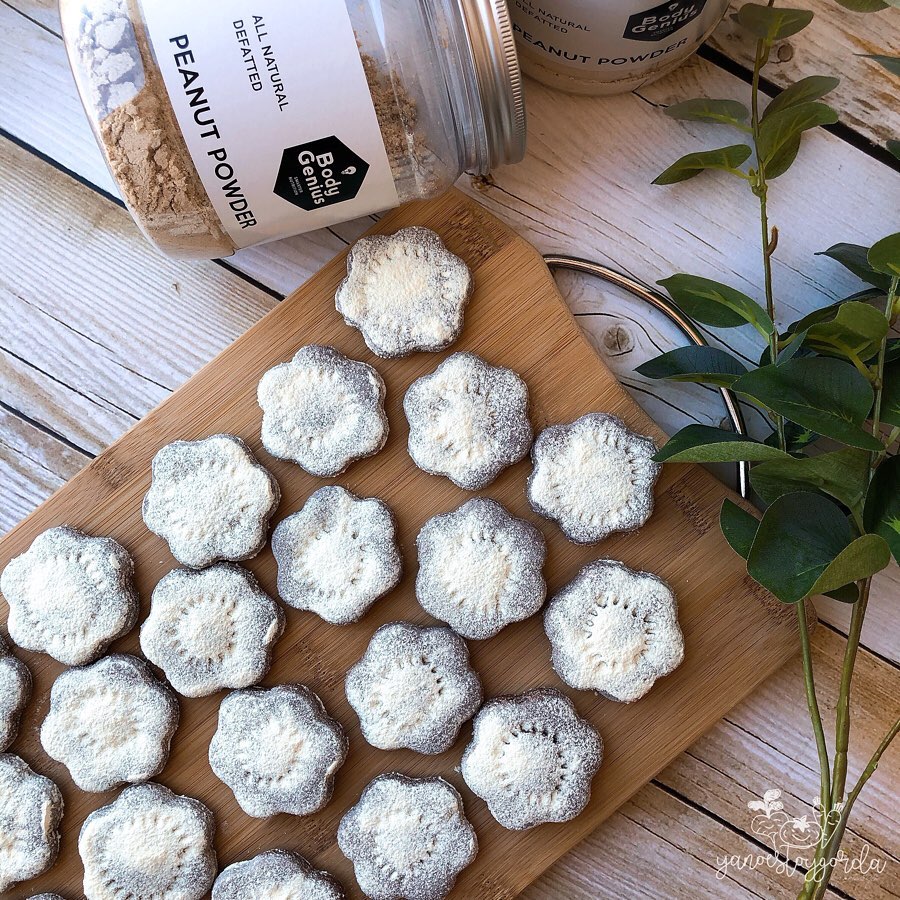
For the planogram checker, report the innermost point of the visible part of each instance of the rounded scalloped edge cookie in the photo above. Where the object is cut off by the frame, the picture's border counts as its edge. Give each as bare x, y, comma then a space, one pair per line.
278, 750
480, 568
31, 807
210, 500
210, 629
405, 292
413, 688
593, 477
148, 842
110, 723
468, 420
15, 690
532, 758
408, 838
337, 555
322, 410
89, 584
614, 630
46, 897
275, 874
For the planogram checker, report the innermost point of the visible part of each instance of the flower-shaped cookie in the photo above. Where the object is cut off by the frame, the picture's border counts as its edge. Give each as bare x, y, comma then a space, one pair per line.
211, 629
275, 875
405, 292
110, 723
277, 750
70, 595
614, 630
531, 759
15, 689
408, 838
45, 897
31, 808
593, 477
480, 568
322, 410
148, 842
413, 688
337, 555
468, 420
210, 500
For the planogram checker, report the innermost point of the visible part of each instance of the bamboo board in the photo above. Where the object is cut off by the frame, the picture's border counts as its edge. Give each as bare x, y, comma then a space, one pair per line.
736, 634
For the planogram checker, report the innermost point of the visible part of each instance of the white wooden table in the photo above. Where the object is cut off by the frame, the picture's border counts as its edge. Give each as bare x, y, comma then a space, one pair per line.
96, 328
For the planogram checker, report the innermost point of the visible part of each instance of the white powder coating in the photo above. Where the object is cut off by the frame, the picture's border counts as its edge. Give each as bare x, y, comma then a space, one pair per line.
614, 631
45, 897
275, 875
404, 292
337, 555
480, 568
532, 759
278, 750
148, 843
31, 809
408, 838
210, 500
593, 477
468, 420
322, 410
211, 629
70, 595
15, 689
413, 688
110, 723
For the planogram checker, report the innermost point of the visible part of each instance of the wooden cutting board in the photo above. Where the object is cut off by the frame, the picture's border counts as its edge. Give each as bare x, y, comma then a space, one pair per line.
736, 634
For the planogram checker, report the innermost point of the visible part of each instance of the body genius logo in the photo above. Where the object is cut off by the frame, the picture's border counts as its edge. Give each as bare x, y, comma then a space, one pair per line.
320, 173
658, 23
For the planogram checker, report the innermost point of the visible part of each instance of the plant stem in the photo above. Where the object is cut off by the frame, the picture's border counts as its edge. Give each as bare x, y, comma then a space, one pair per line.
882, 353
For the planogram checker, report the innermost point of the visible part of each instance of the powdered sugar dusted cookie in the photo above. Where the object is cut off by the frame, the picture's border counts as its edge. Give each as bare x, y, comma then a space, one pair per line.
413, 688
531, 759
70, 595
148, 842
278, 750
614, 630
337, 555
275, 875
45, 897
31, 808
405, 292
110, 723
468, 420
15, 689
322, 410
210, 500
211, 629
408, 838
480, 568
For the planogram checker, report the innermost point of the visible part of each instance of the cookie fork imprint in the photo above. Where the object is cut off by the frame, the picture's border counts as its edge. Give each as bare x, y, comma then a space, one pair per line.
275, 875
15, 689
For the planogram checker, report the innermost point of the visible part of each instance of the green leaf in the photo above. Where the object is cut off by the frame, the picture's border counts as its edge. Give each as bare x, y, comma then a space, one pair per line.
856, 258
882, 511
738, 526
692, 164
849, 593
843, 474
856, 331
722, 112
890, 394
709, 365
813, 87
703, 443
892, 350
891, 63
884, 255
773, 24
863, 557
893, 147
825, 395
873, 296
716, 304
863, 6
799, 536
796, 437
779, 134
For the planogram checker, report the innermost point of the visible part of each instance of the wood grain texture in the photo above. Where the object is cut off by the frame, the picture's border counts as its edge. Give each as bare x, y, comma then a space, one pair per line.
721, 666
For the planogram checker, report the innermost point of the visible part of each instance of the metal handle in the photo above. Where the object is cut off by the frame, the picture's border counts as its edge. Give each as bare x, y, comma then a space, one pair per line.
674, 315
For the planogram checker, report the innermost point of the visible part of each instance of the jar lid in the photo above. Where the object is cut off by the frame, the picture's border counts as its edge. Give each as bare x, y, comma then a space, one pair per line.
499, 82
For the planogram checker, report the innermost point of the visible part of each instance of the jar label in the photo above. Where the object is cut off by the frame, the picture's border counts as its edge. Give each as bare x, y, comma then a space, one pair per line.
275, 109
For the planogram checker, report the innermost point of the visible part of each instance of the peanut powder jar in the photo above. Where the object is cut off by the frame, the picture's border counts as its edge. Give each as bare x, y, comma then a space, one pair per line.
232, 123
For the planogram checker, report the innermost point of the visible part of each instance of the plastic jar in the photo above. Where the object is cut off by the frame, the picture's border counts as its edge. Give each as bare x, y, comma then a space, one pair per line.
232, 123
